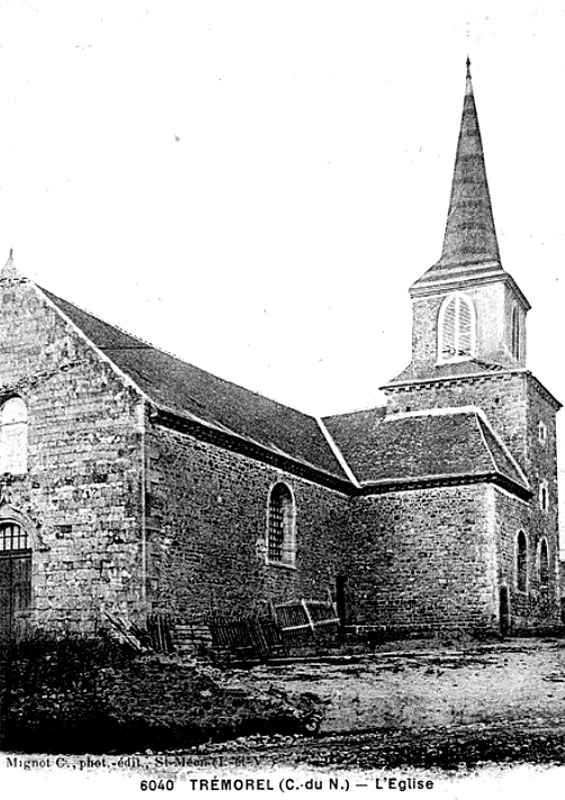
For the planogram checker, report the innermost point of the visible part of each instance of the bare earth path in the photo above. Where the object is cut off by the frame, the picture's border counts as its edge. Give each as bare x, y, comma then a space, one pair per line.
426, 708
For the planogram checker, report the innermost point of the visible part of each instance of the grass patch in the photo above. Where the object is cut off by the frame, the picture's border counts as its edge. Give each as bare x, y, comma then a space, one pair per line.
79, 694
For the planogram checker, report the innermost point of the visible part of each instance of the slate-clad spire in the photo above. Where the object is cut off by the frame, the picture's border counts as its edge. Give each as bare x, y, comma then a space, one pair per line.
470, 235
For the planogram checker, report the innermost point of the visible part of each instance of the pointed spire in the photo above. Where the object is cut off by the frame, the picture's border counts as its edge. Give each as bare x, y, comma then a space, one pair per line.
8, 270
470, 235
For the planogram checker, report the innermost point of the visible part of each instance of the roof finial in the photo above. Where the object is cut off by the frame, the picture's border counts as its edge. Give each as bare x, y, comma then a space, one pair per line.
9, 270
468, 67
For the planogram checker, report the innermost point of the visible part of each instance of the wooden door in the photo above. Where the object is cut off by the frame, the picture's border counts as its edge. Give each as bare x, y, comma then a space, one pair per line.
15, 578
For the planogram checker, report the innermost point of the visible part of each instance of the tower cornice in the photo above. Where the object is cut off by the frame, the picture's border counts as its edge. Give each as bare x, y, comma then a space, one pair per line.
464, 277
490, 375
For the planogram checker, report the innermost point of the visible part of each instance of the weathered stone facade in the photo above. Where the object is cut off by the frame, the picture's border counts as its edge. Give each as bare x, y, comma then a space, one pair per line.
424, 560
79, 500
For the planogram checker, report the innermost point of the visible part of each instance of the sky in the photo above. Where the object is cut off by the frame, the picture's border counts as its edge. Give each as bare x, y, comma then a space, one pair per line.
253, 186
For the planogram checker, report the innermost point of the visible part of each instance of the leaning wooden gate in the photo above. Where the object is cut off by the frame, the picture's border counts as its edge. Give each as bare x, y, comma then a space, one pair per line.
302, 618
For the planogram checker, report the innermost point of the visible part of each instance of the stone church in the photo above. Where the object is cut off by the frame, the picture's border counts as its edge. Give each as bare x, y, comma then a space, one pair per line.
133, 482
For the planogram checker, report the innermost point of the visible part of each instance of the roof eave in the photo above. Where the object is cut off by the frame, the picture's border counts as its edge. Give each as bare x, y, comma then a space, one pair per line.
385, 485
230, 440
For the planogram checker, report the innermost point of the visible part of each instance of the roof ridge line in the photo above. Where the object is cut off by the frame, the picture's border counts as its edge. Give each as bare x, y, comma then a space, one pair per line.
483, 417
105, 321
483, 437
187, 415
351, 413
150, 346
115, 368
337, 453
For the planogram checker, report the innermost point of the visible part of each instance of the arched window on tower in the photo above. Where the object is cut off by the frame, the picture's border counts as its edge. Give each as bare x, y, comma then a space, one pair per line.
516, 332
543, 577
543, 565
521, 562
544, 496
280, 526
13, 437
456, 328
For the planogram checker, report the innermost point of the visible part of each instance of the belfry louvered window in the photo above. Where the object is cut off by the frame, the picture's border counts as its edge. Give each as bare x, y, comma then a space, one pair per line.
456, 328
280, 526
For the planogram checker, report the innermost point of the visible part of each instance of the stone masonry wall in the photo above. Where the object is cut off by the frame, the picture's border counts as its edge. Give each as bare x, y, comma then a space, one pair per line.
80, 497
535, 607
532, 608
207, 525
423, 559
542, 468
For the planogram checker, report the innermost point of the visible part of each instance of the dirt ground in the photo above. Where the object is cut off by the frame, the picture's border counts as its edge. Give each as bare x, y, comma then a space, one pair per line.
425, 706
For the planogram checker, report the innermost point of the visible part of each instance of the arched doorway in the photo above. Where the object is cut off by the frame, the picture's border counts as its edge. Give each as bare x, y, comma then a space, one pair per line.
15, 578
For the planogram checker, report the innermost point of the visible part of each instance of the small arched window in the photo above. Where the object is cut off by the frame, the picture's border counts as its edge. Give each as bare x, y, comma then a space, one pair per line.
542, 433
280, 525
544, 496
456, 328
516, 332
543, 565
13, 437
521, 562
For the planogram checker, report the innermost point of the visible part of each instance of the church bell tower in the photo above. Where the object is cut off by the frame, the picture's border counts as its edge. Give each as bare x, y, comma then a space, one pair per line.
467, 308
469, 349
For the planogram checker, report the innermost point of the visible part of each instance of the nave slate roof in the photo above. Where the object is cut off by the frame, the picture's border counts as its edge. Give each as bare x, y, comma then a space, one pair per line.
186, 390
439, 445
